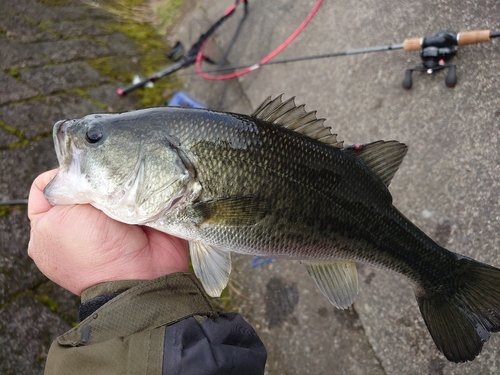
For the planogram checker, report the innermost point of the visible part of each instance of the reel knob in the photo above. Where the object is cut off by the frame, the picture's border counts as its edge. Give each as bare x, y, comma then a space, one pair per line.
451, 77
407, 81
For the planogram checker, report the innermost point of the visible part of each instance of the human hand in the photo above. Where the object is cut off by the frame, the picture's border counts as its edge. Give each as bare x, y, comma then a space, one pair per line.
78, 246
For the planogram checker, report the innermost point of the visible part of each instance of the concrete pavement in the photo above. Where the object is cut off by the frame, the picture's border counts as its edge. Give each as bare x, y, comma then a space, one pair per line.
448, 183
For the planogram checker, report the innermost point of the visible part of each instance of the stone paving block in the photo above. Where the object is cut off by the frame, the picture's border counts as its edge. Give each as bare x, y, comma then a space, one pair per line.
17, 270
33, 118
19, 29
66, 302
26, 329
79, 11
12, 90
70, 50
13, 54
73, 105
6, 138
107, 95
21, 165
38, 116
119, 44
28, 8
77, 28
49, 79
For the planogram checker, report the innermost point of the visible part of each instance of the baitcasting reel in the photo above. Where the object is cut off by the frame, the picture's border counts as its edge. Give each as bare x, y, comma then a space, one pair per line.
437, 50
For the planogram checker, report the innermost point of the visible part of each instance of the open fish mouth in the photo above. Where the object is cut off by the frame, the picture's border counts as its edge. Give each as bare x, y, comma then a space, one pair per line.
61, 141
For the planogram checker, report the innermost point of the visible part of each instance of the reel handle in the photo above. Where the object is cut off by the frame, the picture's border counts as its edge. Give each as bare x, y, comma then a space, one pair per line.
461, 39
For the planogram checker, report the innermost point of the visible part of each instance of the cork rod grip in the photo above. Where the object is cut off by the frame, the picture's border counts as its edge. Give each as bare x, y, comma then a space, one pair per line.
413, 44
470, 37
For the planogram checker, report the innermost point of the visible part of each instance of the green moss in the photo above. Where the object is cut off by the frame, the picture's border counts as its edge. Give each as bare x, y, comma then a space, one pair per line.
144, 33
115, 67
9, 129
14, 72
152, 57
168, 12
54, 2
4, 210
47, 301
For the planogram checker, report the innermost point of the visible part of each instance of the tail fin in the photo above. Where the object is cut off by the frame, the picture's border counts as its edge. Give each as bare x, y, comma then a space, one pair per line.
460, 320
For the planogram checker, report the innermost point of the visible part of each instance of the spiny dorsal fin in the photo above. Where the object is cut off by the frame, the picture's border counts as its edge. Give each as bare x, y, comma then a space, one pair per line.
384, 158
289, 115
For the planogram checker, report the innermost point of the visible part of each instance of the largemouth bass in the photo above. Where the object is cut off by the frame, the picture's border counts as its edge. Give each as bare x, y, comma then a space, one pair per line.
275, 183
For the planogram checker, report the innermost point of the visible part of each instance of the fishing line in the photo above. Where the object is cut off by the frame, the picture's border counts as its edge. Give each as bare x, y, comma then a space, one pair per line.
197, 53
250, 68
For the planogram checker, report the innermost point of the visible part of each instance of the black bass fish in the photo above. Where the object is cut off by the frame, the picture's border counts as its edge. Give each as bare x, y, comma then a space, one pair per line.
275, 183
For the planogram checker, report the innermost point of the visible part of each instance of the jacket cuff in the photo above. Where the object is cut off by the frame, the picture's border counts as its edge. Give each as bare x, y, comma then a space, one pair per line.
110, 287
147, 303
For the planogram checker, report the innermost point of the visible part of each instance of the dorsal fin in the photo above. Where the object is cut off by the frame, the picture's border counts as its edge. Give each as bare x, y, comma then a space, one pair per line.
384, 158
289, 115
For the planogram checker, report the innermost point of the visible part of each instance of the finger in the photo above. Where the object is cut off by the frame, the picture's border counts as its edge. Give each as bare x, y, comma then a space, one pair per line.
37, 204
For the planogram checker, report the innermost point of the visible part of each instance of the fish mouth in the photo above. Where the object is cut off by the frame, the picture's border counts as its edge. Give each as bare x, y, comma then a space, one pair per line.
61, 141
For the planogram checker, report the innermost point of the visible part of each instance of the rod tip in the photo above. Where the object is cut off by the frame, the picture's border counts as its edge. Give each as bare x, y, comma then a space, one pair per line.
120, 92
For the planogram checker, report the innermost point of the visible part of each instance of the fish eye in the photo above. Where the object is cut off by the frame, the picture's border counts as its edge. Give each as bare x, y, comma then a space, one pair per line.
94, 135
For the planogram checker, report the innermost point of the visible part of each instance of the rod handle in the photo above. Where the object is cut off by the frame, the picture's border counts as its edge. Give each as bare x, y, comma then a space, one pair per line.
413, 44
476, 36
127, 90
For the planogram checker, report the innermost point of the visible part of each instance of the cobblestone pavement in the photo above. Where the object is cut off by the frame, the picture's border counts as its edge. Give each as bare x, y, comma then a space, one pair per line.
56, 62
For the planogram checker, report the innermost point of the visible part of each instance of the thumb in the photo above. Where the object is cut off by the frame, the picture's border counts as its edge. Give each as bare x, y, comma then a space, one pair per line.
37, 204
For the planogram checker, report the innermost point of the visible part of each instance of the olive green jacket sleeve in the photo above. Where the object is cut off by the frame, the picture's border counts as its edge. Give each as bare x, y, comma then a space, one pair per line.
126, 334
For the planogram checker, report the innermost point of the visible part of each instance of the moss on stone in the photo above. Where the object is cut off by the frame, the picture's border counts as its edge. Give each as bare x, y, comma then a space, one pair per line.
14, 72
10, 129
46, 300
4, 210
152, 57
168, 11
54, 2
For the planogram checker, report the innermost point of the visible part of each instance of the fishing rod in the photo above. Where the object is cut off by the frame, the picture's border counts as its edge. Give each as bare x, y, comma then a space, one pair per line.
13, 202
436, 51
195, 54
190, 57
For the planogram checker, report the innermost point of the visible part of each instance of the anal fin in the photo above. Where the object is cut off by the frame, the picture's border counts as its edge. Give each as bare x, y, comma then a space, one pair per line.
212, 266
338, 281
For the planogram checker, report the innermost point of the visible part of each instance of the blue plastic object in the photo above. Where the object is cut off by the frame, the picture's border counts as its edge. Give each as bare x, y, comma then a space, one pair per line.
259, 261
181, 99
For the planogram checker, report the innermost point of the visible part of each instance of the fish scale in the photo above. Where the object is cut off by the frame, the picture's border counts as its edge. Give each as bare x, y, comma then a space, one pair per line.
275, 183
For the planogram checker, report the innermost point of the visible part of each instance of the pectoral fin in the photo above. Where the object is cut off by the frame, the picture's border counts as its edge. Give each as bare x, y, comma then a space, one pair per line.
338, 281
232, 211
212, 266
